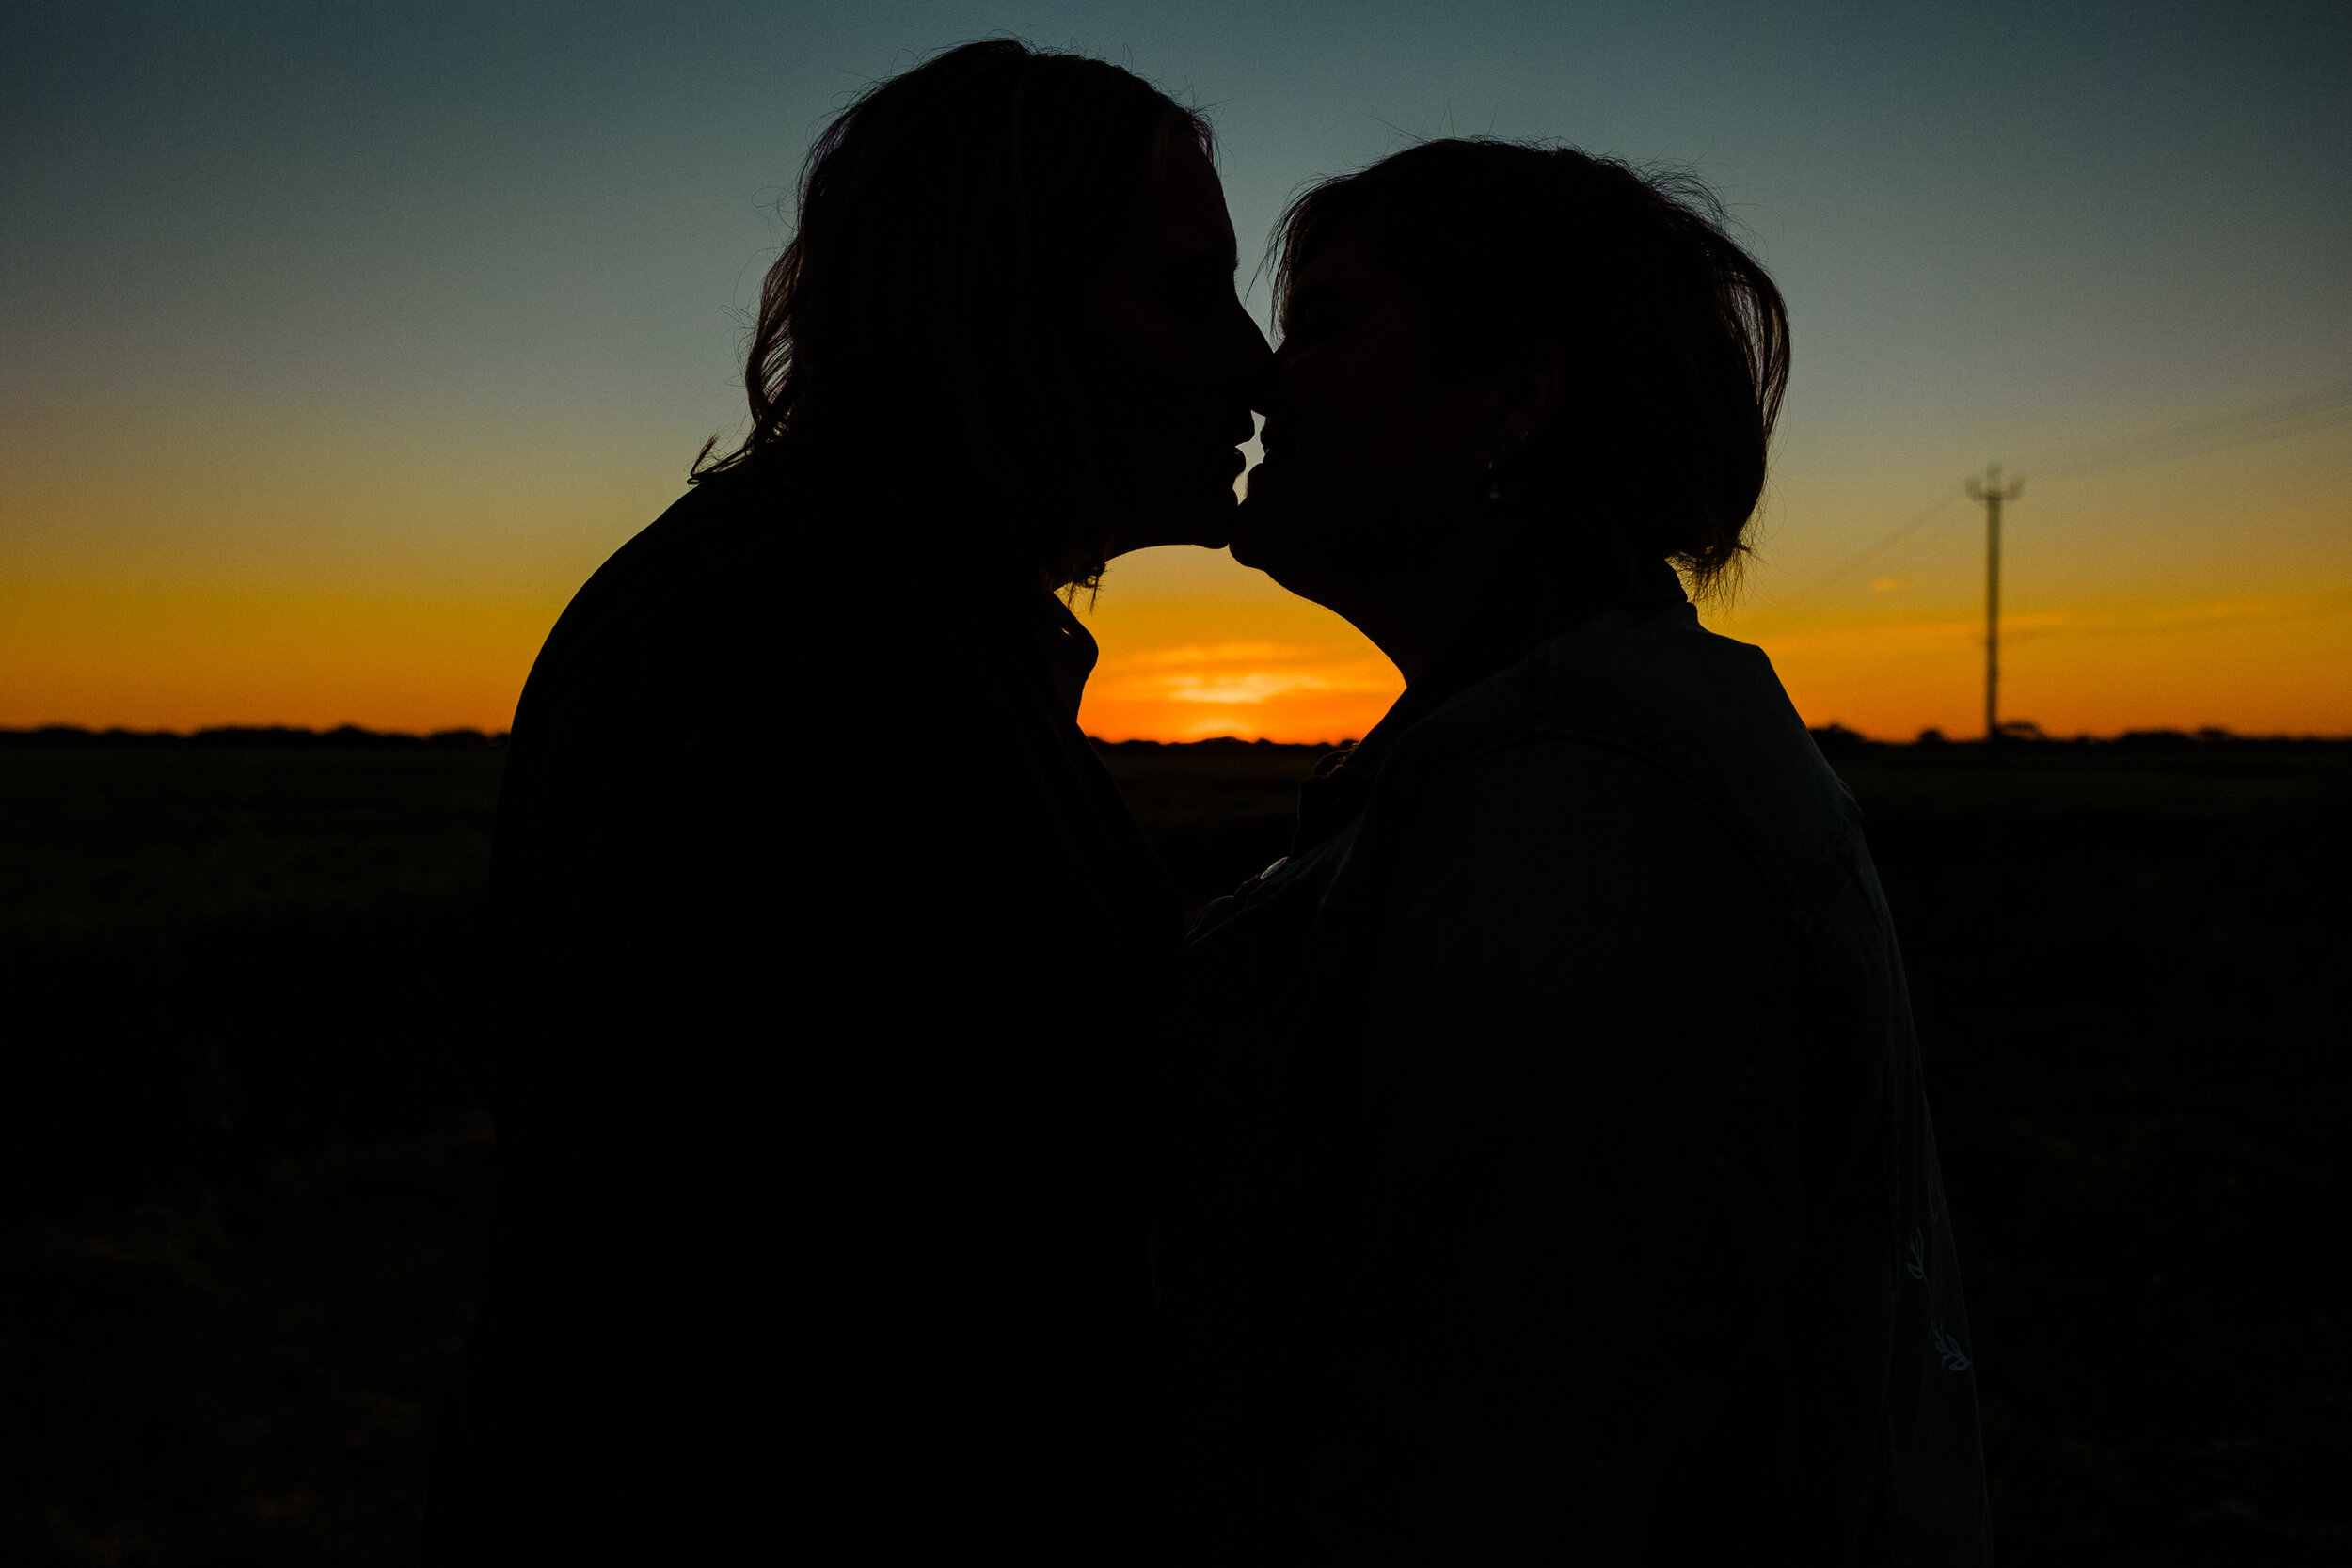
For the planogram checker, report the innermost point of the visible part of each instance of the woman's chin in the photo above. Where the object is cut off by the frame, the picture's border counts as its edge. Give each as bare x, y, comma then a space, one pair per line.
1255, 529
1294, 551
1213, 518
1212, 529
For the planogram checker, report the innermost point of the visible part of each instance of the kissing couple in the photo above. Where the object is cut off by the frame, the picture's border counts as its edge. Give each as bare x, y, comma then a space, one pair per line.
1531, 1167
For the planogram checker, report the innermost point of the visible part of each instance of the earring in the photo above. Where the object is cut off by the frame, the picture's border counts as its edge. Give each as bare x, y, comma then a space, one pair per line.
1494, 487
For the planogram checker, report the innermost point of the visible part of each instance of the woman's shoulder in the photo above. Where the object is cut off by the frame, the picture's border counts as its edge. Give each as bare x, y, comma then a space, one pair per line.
1628, 702
765, 553
737, 581
719, 536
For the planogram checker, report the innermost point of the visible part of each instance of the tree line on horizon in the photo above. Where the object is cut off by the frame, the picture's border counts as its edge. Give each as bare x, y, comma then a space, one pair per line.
1831, 738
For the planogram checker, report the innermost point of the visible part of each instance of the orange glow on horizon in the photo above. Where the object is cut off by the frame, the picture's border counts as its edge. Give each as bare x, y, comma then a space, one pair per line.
1251, 691
1254, 663
1261, 666
189, 659
1284, 670
2277, 665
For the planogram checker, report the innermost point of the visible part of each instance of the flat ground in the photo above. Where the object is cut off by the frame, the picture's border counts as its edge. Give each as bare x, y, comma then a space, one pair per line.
244, 991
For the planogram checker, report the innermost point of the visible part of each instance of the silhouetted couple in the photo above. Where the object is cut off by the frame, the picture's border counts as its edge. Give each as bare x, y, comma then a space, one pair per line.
1533, 1167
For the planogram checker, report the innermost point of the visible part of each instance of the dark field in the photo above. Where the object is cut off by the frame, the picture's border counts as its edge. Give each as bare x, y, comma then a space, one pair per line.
245, 1007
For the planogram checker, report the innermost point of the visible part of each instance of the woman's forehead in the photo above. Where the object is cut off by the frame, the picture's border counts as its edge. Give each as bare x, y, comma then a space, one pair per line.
1342, 266
1184, 203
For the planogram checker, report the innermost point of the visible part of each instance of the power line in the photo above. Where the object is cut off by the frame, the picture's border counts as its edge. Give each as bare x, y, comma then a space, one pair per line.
1902, 531
2276, 420
2270, 421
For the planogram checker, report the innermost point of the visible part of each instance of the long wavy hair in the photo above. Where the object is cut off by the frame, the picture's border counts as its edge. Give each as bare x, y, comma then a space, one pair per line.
1677, 338
919, 324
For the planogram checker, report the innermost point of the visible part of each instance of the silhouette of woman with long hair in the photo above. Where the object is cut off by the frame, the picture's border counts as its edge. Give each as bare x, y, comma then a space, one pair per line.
831, 950
1548, 1176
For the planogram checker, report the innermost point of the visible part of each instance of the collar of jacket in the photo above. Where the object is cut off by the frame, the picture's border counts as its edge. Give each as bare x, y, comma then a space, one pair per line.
1509, 618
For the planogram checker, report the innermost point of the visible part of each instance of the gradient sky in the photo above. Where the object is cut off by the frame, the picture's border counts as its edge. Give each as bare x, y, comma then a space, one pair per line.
339, 344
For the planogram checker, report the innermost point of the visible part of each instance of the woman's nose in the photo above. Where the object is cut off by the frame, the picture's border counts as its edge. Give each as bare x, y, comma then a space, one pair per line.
1264, 384
1251, 352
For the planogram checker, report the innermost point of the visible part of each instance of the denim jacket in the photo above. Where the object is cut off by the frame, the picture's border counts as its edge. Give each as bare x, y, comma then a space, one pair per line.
1547, 1174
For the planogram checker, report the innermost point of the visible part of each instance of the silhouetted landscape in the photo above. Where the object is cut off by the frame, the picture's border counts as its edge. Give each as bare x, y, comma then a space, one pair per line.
247, 1167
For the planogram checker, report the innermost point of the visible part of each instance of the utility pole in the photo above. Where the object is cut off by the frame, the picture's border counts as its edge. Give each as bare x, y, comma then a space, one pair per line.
1988, 491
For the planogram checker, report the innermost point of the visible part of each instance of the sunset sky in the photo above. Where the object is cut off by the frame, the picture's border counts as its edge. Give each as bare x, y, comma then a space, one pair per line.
339, 344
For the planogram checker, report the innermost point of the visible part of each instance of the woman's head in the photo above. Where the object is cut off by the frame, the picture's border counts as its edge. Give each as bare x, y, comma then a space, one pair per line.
1557, 353
1009, 297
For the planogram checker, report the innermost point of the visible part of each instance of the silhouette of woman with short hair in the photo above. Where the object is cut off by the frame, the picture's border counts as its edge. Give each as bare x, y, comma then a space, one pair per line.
1546, 1172
831, 949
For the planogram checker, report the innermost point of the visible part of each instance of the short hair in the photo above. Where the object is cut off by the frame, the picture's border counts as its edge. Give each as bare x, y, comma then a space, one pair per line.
950, 219
1677, 338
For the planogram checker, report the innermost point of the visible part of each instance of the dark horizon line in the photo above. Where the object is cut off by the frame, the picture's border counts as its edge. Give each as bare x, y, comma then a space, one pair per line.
1831, 738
